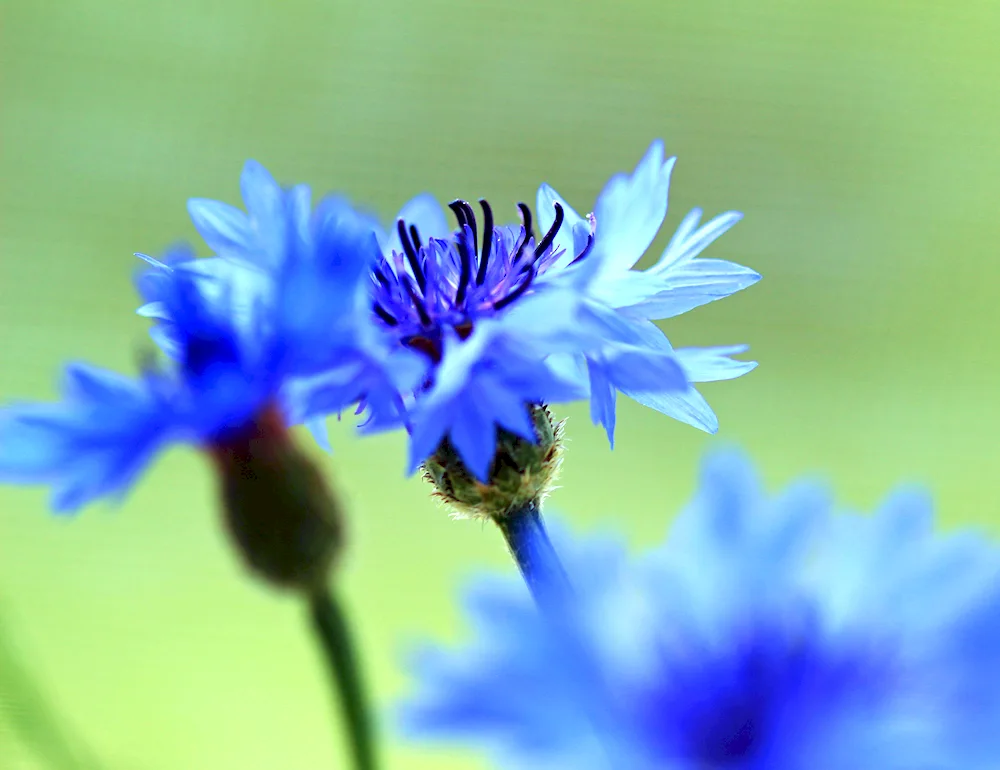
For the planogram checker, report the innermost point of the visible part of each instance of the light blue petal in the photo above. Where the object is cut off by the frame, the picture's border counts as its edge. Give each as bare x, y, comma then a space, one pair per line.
602, 400
630, 211
90, 383
687, 243
224, 228
688, 406
729, 491
713, 364
635, 368
157, 310
684, 288
264, 200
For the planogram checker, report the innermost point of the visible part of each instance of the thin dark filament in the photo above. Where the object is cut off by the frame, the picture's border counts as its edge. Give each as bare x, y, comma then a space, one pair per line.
418, 303
551, 234
526, 219
415, 237
521, 288
411, 256
380, 277
520, 248
385, 315
459, 211
465, 275
484, 257
470, 220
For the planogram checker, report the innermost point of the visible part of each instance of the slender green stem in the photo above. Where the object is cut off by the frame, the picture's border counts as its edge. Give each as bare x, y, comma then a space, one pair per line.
333, 631
30, 716
531, 548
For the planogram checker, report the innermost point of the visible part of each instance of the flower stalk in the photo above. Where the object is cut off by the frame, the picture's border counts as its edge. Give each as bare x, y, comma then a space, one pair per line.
333, 633
528, 542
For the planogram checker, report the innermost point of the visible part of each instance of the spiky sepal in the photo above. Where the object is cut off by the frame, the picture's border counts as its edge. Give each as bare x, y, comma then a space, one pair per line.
522, 473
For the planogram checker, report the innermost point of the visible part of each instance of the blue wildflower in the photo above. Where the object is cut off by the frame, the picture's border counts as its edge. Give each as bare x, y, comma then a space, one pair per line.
766, 632
592, 332
238, 345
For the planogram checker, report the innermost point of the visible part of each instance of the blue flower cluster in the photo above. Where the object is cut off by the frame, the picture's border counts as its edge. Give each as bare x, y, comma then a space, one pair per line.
765, 632
305, 311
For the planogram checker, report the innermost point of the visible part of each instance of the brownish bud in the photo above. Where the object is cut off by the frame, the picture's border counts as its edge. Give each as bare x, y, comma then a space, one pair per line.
278, 508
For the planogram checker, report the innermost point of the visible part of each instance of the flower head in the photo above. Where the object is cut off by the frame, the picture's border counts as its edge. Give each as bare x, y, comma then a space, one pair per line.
566, 316
239, 341
766, 632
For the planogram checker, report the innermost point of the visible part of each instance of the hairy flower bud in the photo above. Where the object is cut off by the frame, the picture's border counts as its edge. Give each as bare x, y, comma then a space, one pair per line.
522, 472
278, 508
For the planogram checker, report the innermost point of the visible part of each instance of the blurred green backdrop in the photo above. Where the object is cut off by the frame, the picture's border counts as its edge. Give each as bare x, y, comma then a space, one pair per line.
858, 137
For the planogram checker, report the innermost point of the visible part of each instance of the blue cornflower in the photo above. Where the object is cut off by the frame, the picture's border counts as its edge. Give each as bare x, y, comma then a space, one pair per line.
591, 332
238, 343
766, 632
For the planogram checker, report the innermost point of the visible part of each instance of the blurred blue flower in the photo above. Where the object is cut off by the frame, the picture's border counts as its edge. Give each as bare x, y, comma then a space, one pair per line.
239, 344
766, 632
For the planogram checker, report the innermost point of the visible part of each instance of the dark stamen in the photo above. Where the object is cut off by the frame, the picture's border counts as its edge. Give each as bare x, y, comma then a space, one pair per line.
522, 287
411, 256
526, 219
526, 236
380, 276
418, 303
385, 315
466, 271
585, 252
520, 248
484, 258
415, 237
459, 211
470, 220
551, 234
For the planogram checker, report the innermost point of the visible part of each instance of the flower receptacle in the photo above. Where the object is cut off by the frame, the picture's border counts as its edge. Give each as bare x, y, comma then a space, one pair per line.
521, 473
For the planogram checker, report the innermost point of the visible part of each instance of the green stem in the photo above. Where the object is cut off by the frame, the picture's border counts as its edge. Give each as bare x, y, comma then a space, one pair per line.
529, 544
31, 717
332, 629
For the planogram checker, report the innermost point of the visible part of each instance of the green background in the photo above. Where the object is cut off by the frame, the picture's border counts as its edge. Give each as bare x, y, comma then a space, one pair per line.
858, 137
